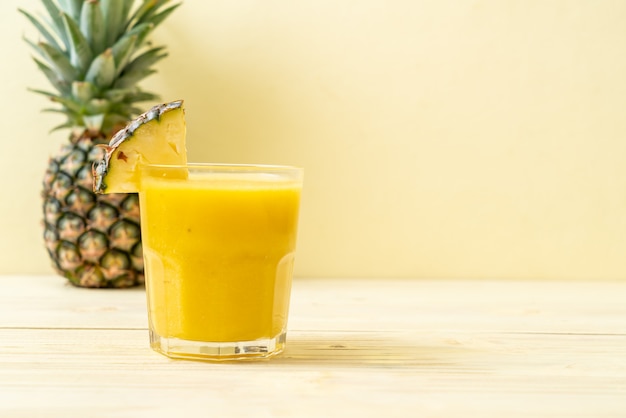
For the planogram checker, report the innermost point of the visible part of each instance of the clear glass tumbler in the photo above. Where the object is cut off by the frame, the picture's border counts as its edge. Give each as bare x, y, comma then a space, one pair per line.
219, 244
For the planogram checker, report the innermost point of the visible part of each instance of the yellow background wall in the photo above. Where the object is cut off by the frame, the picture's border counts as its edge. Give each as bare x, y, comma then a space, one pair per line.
440, 138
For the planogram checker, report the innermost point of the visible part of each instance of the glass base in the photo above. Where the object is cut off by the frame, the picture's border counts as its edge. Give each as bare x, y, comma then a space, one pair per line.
222, 351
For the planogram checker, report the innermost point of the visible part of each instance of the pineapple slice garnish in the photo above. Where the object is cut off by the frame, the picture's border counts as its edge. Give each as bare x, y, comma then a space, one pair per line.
155, 137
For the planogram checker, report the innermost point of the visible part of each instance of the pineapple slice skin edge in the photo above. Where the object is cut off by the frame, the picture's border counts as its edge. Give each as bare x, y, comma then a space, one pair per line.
163, 144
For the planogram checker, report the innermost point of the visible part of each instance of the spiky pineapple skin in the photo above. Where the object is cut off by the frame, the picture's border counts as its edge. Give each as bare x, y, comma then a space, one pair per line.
93, 240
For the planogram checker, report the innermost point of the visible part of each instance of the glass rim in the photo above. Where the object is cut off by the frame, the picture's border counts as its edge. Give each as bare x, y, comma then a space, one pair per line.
221, 166
287, 171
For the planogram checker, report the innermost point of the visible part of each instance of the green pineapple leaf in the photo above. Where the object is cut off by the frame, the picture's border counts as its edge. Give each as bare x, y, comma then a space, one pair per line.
49, 95
44, 93
141, 96
122, 110
92, 26
160, 17
57, 110
72, 118
126, 7
117, 95
141, 31
80, 51
94, 122
146, 59
122, 51
58, 61
42, 29
148, 6
130, 78
114, 20
61, 85
72, 8
136, 110
156, 5
68, 124
36, 47
57, 21
97, 106
102, 70
69, 103
83, 91
129, 95
112, 119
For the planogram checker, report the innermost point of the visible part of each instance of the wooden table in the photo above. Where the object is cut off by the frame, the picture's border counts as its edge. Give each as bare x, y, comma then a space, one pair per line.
356, 348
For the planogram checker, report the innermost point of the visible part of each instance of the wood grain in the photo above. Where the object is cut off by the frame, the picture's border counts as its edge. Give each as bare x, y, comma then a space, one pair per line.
367, 348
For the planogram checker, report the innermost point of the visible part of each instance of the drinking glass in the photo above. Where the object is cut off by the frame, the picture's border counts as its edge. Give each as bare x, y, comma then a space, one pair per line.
219, 243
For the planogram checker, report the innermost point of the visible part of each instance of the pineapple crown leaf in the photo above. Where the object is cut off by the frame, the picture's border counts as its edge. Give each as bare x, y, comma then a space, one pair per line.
97, 107
126, 6
122, 52
128, 96
62, 126
68, 123
94, 122
143, 12
72, 7
113, 18
92, 26
80, 51
135, 109
146, 59
130, 78
55, 110
68, 103
34, 46
70, 106
44, 93
102, 70
117, 95
160, 17
141, 96
113, 119
57, 22
53, 77
141, 31
58, 61
41, 28
83, 91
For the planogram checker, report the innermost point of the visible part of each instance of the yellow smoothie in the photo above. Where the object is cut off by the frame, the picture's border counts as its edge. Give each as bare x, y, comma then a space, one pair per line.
219, 252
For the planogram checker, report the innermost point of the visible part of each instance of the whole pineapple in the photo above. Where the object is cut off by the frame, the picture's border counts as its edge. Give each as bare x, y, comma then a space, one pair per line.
94, 52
